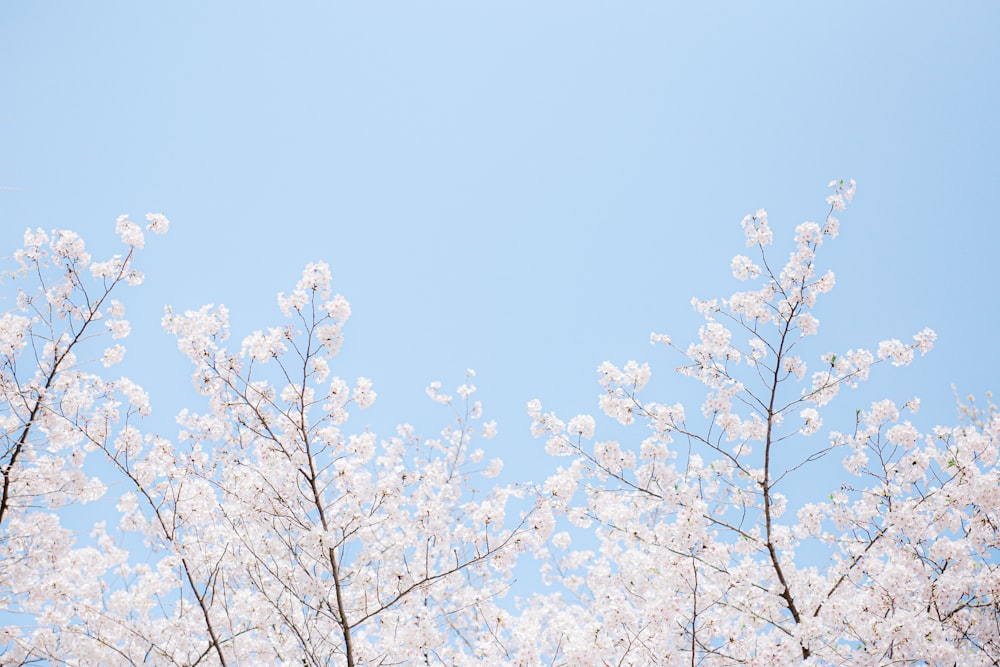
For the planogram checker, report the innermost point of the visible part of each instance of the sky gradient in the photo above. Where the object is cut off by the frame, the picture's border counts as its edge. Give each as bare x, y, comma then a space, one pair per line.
527, 189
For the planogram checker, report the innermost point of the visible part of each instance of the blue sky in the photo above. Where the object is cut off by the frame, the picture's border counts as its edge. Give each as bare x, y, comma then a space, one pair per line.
526, 189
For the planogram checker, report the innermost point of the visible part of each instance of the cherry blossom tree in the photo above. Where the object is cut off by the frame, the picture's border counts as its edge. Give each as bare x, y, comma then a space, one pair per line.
697, 557
270, 535
270, 531
55, 412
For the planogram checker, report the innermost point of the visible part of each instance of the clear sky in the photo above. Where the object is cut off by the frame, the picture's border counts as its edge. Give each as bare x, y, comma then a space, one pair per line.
523, 188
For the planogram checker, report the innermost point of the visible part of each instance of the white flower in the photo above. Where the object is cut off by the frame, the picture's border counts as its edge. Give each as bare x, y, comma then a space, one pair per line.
743, 268
756, 229
119, 328
261, 346
808, 324
808, 233
113, 355
362, 446
562, 540
294, 301
13, 332
158, 223
69, 245
108, 269
903, 434
812, 421
496, 465
825, 283
330, 338
130, 233
655, 338
925, 340
364, 395
795, 366
136, 395
315, 277
434, 391
582, 425
901, 354
338, 308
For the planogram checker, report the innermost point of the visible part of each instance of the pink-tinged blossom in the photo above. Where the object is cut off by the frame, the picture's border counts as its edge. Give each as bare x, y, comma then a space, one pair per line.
113, 355
13, 333
715, 337
434, 392
32, 250
582, 425
494, 468
563, 483
825, 283
315, 277
262, 347
330, 338
338, 308
362, 446
903, 434
881, 412
925, 340
296, 301
620, 409
134, 278
900, 354
825, 387
35, 239
158, 223
794, 366
70, 246
754, 428
130, 233
119, 328
808, 324
809, 233
753, 305
811, 421
364, 395
320, 369
756, 229
842, 194
666, 418
655, 338
562, 540
610, 456
136, 395
108, 269
706, 308
831, 227
758, 350
743, 268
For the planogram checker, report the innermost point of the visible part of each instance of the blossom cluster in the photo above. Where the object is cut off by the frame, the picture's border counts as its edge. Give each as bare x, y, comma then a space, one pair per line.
273, 530
696, 552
